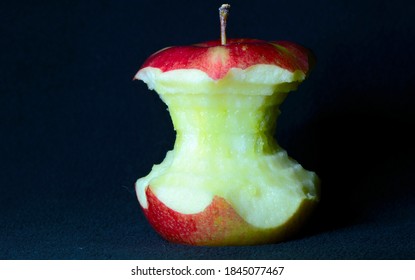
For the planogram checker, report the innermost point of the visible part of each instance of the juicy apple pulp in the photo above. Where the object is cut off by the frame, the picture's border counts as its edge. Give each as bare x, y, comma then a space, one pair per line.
227, 181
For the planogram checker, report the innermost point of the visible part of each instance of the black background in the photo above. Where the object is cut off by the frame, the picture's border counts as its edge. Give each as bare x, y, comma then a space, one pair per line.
76, 131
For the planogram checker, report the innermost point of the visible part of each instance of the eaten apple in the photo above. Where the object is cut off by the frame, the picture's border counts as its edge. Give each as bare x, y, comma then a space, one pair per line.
227, 181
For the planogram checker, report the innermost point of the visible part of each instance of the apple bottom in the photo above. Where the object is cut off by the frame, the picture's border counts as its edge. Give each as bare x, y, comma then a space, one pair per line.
218, 224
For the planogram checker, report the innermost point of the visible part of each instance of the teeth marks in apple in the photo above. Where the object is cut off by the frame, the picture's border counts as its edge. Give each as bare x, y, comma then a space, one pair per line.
225, 144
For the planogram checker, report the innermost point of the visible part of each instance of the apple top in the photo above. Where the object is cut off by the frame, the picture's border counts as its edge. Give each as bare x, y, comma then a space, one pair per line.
216, 60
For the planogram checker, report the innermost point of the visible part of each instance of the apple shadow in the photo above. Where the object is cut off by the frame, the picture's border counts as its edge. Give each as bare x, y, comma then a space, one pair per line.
363, 157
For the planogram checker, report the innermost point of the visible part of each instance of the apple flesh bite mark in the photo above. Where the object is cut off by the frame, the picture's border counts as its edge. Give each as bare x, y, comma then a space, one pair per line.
227, 181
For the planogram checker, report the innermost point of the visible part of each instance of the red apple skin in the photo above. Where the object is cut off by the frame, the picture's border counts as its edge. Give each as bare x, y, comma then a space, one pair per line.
217, 225
216, 60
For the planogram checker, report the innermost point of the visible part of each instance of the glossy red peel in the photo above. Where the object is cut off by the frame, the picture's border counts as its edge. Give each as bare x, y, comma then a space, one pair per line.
216, 60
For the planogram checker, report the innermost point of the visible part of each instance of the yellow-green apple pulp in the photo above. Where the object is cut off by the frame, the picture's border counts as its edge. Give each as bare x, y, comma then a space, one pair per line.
227, 181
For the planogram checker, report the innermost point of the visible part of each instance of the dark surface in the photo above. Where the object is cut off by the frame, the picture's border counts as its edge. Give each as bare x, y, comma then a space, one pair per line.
76, 131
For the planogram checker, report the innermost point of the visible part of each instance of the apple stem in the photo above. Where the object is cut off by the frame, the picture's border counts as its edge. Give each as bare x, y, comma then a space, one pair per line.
223, 15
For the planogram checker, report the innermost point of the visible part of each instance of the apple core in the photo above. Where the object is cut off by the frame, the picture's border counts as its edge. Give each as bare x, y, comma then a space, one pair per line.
227, 181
